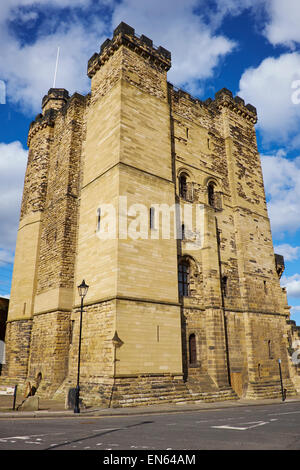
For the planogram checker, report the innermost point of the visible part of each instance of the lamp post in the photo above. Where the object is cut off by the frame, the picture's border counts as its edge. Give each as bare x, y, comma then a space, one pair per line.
82, 290
283, 391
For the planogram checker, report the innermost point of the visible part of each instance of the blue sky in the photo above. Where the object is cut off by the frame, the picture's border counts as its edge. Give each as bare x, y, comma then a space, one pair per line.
251, 47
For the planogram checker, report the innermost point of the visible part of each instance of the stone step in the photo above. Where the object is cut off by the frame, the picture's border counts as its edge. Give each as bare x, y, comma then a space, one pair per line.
178, 401
270, 389
207, 396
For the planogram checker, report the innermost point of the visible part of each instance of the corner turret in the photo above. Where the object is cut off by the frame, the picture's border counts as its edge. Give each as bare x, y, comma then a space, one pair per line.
224, 98
55, 99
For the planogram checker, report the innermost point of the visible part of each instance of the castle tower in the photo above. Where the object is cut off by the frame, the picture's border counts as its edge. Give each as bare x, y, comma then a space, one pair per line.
128, 161
24, 283
191, 313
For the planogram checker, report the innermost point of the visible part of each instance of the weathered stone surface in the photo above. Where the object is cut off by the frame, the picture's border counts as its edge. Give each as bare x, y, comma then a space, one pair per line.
30, 404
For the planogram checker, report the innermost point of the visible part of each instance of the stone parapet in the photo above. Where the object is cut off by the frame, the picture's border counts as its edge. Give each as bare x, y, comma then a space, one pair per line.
55, 99
223, 99
125, 35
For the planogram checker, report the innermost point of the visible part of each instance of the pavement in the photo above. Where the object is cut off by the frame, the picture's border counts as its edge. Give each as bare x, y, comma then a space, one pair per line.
53, 408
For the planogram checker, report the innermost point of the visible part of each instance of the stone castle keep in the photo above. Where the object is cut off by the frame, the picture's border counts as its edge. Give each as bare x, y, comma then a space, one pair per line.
195, 322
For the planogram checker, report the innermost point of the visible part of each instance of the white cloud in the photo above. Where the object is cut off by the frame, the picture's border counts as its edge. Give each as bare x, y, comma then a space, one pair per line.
269, 88
5, 296
283, 23
282, 186
173, 24
13, 162
295, 314
196, 44
292, 284
290, 253
218, 10
28, 69
6, 257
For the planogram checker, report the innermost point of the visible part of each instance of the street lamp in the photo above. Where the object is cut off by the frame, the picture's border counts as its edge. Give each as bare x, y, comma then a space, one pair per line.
82, 290
283, 390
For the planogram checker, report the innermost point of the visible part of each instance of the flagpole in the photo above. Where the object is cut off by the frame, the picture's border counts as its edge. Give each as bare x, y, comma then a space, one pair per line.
56, 65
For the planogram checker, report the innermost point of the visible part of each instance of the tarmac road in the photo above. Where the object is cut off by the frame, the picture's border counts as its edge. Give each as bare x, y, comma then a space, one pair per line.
261, 427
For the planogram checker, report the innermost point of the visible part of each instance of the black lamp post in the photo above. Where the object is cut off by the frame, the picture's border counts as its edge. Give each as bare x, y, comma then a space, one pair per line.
283, 391
82, 290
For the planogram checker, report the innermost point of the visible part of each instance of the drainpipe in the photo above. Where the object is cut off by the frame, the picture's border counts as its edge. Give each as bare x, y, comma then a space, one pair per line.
223, 304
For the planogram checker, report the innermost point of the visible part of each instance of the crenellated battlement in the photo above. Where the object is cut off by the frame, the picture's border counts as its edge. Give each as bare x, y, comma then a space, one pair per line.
56, 101
223, 98
142, 45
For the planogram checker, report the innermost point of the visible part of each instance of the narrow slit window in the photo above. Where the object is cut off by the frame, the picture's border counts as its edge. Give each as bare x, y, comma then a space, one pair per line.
224, 283
270, 349
192, 349
265, 287
183, 232
98, 219
152, 218
72, 330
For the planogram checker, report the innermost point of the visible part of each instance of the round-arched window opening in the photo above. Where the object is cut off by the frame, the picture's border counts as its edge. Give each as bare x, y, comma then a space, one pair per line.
183, 185
184, 278
211, 194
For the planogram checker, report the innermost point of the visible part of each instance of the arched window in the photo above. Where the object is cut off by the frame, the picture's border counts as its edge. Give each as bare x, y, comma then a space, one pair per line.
183, 185
184, 278
211, 194
192, 349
